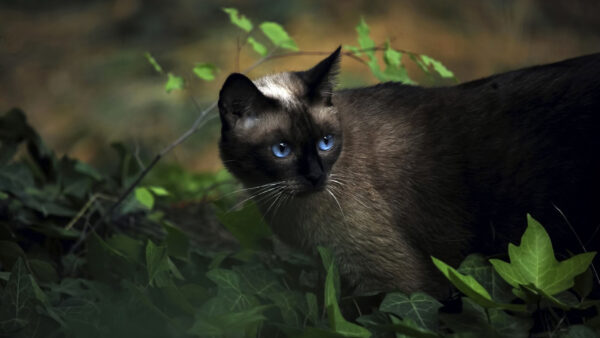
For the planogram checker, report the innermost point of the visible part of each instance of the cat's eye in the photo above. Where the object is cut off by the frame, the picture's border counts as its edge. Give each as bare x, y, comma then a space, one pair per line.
326, 142
281, 149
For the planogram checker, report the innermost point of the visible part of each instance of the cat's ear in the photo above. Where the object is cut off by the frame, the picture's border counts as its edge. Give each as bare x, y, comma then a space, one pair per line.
321, 79
239, 98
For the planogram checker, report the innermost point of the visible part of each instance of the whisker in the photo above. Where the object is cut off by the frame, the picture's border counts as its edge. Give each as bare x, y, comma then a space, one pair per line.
336, 201
266, 190
277, 196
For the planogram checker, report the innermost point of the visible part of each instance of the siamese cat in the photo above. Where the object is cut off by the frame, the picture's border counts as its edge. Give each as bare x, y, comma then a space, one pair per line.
388, 175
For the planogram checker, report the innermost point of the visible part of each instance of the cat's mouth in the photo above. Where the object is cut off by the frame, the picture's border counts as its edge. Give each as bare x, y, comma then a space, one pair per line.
303, 188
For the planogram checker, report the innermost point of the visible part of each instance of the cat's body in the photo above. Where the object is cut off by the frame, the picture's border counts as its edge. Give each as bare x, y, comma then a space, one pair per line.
440, 171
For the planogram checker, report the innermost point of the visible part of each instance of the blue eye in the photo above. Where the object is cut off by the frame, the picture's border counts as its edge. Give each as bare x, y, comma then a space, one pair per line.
281, 149
326, 142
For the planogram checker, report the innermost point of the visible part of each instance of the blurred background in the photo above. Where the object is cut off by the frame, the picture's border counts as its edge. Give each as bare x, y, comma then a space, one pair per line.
77, 68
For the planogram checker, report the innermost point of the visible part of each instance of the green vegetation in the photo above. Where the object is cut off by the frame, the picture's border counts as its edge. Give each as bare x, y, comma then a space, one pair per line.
90, 254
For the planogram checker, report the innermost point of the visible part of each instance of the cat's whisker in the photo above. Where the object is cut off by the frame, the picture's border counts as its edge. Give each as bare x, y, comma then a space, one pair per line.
253, 188
336, 201
276, 195
261, 192
345, 192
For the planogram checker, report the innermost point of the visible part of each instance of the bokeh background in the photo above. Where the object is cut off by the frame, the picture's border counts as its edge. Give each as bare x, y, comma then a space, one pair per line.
77, 68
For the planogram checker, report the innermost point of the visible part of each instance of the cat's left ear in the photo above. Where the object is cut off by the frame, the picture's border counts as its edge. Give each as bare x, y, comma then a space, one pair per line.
321, 79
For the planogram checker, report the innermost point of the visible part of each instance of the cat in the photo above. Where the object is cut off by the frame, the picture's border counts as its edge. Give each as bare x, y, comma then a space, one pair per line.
388, 175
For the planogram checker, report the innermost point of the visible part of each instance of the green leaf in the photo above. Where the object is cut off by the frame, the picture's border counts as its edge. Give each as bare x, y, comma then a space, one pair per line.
43, 270
239, 20
289, 303
421, 308
395, 70
144, 196
533, 262
157, 265
10, 253
364, 40
470, 287
205, 71
584, 283
173, 83
153, 62
256, 280
18, 299
328, 260
476, 321
579, 331
233, 324
278, 36
246, 225
336, 321
158, 191
257, 46
178, 243
478, 266
232, 298
88, 170
391, 56
408, 328
437, 66
312, 307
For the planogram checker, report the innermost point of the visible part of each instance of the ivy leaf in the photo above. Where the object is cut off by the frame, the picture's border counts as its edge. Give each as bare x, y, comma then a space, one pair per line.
178, 244
437, 66
579, 331
278, 36
246, 225
257, 46
157, 265
239, 20
474, 321
312, 312
470, 287
408, 328
533, 263
256, 280
289, 302
230, 291
144, 196
205, 71
153, 62
478, 266
18, 299
173, 83
337, 322
419, 307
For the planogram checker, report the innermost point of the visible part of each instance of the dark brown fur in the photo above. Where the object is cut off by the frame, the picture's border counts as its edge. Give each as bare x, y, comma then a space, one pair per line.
420, 171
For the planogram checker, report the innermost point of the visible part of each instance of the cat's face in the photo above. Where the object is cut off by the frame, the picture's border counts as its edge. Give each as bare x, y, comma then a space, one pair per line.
282, 128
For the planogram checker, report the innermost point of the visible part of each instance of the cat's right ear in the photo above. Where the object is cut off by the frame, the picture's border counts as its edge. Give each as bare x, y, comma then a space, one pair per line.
239, 98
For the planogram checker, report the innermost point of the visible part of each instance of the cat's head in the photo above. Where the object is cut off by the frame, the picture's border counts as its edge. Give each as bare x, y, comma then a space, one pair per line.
282, 128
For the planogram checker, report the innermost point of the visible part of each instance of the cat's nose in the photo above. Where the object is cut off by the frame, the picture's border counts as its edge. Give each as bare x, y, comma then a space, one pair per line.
316, 179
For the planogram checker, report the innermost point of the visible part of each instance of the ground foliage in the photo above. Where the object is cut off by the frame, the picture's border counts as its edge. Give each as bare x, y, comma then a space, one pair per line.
71, 266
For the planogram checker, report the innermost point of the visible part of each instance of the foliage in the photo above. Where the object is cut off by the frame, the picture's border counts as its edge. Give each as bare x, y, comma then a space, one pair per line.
72, 264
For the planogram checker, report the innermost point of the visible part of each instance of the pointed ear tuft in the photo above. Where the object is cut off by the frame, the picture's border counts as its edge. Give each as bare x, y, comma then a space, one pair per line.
321, 79
238, 98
